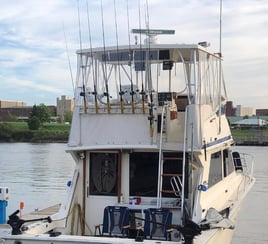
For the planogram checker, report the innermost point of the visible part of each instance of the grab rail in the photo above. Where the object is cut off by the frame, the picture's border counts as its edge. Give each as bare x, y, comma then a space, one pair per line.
176, 185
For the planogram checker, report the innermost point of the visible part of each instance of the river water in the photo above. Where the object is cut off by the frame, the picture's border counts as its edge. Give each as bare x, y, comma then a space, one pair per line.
37, 174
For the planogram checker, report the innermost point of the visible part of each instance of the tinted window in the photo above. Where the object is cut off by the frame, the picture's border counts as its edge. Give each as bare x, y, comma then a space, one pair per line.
143, 172
215, 171
228, 163
103, 173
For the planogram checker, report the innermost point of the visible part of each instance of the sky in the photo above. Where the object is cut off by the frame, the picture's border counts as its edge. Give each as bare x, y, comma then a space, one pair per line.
38, 40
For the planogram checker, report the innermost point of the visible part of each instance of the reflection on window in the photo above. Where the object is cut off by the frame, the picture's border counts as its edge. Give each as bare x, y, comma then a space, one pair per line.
215, 171
103, 173
228, 163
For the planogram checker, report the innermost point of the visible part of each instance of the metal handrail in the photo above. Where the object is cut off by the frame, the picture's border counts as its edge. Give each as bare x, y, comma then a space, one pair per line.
176, 185
160, 160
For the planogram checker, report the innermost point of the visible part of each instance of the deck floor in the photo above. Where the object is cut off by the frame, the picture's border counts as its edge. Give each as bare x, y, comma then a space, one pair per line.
42, 213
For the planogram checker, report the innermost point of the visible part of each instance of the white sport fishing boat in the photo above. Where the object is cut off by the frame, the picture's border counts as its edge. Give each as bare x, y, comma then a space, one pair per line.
153, 151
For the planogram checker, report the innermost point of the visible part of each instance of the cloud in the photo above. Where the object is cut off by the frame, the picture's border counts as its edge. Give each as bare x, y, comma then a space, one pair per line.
17, 84
33, 49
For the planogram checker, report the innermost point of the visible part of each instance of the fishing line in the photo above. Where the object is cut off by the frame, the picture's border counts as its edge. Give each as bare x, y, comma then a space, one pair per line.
68, 56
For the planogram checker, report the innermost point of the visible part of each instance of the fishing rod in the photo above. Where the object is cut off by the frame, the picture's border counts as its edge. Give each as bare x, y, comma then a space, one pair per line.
95, 93
68, 56
81, 60
148, 72
121, 93
106, 93
132, 92
142, 93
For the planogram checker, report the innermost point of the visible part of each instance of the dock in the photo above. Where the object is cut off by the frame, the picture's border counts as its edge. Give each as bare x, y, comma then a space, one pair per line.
252, 141
42, 213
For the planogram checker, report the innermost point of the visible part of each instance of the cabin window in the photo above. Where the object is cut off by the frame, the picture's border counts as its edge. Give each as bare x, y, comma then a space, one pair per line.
143, 173
181, 102
228, 163
103, 174
215, 171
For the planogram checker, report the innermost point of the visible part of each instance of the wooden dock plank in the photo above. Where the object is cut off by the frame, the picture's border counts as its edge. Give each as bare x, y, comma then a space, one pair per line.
42, 213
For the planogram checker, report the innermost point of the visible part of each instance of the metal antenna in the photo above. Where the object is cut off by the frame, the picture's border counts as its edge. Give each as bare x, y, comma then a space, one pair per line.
220, 68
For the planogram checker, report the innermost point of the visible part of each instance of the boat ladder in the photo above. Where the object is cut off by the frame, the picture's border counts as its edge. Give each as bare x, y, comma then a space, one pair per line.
167, 177
174, 178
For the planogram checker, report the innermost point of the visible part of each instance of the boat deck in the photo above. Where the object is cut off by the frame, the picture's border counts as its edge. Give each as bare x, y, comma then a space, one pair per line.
42, 213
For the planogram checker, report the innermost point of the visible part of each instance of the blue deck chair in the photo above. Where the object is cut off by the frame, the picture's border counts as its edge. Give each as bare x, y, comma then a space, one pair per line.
115, 222
157, 223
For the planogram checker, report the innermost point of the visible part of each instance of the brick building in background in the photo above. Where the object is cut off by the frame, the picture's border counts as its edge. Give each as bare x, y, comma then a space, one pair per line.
64, 105
10, 110
9, 104
261, 112
230, 110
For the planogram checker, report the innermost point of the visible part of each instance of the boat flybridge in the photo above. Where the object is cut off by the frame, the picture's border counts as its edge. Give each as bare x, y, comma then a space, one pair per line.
153, 150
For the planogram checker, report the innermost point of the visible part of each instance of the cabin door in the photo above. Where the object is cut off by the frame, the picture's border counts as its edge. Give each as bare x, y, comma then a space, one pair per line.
103, 182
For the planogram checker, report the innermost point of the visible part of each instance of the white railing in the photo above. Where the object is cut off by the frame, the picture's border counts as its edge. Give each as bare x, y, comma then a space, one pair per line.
244, 163
247, 164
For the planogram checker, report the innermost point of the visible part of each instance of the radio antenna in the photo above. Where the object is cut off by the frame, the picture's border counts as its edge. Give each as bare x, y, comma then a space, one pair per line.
220, 25
220, 68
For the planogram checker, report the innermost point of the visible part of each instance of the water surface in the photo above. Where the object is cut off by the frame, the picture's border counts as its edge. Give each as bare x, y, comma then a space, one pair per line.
34, 173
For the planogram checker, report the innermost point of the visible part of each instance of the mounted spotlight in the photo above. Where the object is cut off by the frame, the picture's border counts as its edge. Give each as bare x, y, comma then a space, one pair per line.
204, 44
81, 155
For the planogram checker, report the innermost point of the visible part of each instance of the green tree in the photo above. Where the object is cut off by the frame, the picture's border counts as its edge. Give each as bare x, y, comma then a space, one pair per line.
39, 115
68, 116
44, 113
5, 131
11, 117
33, 123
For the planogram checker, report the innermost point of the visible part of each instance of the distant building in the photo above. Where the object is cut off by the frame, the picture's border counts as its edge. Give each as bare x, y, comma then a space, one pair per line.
261, 112
20, 113
10, 110
64, 105
230, 110
9, 104
251, 123
244, 111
